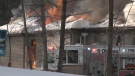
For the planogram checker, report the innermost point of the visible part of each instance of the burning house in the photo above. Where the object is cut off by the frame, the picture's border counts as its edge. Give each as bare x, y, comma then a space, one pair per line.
89, 27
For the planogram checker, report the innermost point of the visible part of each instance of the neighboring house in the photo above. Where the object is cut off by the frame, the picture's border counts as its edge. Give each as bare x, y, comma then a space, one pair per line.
97, 35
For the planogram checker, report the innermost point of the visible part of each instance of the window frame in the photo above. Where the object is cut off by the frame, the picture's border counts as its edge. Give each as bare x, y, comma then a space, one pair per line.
67, 63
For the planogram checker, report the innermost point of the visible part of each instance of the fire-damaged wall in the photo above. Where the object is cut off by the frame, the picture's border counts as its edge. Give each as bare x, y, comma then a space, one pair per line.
17, 48
95, 36
94, 11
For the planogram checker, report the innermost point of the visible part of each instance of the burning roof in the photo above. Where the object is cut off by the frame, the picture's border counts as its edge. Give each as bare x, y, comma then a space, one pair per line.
81, 14
33, 26
91, 10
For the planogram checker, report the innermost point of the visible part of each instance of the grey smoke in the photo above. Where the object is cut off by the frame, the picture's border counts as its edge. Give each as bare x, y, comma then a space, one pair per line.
129, 13
30, 6
16, 13
100, 8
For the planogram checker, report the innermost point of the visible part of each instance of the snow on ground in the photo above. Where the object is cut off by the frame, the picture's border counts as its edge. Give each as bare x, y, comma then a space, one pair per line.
9, 71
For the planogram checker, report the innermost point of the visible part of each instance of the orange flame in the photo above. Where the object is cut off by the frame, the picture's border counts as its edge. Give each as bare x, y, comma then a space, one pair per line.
76, 17
54, 13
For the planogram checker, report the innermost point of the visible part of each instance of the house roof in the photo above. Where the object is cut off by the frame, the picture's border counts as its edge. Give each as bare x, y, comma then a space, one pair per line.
33, 26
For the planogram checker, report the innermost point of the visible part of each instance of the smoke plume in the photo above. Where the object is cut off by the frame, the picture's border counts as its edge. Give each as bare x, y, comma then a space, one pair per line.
32, 8
96, 9
99, 8
129, 13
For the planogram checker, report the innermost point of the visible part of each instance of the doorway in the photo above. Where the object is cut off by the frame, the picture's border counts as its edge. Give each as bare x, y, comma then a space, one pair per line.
32, 54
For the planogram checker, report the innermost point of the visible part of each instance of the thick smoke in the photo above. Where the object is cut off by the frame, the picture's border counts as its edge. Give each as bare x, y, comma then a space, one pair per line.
129, 13
32, 8
99, 8
16, 13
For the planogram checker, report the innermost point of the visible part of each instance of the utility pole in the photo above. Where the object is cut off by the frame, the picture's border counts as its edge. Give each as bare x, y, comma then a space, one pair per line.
110, 39
62, 35
26, 35
45, 56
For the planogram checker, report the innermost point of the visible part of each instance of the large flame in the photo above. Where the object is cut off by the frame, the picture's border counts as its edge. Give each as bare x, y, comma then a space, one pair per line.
54, 13
99, 8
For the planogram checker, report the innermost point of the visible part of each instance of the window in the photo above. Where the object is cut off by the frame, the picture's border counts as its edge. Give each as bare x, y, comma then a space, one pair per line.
50, 57
72, 56
127, 63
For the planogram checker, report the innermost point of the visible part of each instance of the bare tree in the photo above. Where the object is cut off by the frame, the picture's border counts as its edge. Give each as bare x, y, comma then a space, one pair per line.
26, 35
62, 35
45, 58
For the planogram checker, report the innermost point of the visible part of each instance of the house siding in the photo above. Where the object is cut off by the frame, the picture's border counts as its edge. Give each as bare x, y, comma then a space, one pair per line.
53, 37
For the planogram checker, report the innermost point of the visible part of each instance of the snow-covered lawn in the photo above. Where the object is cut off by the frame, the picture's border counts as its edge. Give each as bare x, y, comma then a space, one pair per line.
7, 71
